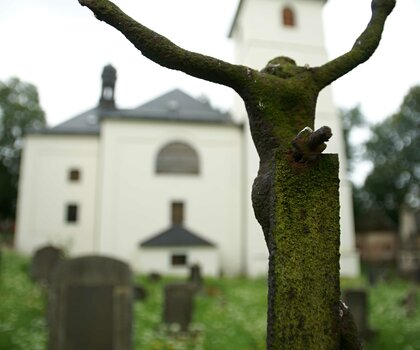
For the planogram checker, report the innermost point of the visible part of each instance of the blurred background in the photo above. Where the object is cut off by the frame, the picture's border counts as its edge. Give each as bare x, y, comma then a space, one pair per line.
91, 113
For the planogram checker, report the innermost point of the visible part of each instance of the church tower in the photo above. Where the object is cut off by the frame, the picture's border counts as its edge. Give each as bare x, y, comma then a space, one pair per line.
262, 30
109, 78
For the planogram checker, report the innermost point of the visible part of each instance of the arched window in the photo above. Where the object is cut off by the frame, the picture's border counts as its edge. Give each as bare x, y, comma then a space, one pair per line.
177, 158
288, 17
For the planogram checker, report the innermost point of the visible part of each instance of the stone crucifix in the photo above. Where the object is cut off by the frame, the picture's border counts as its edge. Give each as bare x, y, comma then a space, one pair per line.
295, 195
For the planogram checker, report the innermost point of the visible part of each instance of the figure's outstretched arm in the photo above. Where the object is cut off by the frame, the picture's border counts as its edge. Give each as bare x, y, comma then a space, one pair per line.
363, 48
164, 52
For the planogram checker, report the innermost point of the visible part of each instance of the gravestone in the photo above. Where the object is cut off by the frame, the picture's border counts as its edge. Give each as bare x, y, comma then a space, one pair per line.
195, 276
417, 274
43, 263
409, 302
154, 277
90, 305
178, 304
356, 300
140, 293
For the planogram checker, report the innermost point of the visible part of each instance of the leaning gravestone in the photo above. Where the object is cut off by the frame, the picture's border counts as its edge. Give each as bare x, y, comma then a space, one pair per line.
43, 263
357, 301
90, 305
178, 304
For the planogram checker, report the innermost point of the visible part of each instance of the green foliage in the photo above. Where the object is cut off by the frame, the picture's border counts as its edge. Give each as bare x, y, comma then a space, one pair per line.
19, 111
394, 150
396, 330
22, 305
227, 311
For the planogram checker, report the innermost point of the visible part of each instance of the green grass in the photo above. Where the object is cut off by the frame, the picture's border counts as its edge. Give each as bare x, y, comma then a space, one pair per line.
388, 317
22, 321
229, 314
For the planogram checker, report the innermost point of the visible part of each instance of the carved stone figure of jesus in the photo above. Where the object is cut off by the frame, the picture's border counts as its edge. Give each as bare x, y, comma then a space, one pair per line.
280, 100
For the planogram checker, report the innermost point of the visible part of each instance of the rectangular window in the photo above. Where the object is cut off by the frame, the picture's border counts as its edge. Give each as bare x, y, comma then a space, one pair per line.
179, 260
74, 175
177, 213
72, 213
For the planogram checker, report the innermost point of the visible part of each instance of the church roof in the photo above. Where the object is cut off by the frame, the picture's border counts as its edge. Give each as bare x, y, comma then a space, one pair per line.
174, 105
177, 105
176, 236
84, 123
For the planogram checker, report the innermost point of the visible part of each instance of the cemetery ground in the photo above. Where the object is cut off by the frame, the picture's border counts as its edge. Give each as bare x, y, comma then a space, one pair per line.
230, 313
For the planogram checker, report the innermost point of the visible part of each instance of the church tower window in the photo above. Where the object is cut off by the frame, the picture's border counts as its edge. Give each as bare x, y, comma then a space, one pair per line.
288, 15
177, 158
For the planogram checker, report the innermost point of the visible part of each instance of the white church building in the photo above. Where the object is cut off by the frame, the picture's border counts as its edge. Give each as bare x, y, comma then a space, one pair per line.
168, 184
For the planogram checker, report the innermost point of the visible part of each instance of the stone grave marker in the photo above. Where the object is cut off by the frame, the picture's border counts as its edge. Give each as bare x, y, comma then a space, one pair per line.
154, 277
178, 304
409, 302
417, 274
140, 292
195, 276
43, 263
356, 300
90, 305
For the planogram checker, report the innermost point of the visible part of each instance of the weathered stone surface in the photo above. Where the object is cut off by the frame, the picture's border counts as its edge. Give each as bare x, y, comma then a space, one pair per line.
303, 239
410, 302
178, 304
140, 292
195, 276
43, 263
300, 214
90, 305
356, 300
154, 277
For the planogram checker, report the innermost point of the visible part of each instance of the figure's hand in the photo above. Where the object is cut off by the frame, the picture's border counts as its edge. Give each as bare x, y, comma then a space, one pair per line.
383, 5
308, 144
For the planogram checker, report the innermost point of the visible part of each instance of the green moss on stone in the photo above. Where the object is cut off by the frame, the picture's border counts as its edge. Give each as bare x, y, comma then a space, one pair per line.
304, 256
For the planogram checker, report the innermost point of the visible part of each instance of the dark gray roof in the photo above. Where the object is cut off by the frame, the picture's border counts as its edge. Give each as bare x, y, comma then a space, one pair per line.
176, 236
174, 105
84, 123
238, 10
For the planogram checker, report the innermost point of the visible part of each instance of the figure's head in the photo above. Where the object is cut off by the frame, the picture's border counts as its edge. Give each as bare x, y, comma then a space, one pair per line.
283, 67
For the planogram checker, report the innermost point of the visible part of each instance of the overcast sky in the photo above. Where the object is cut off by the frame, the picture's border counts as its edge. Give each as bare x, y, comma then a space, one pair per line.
61, 48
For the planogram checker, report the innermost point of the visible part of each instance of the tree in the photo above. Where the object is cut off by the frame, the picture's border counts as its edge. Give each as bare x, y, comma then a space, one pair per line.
295, 194
393, 150
19, 111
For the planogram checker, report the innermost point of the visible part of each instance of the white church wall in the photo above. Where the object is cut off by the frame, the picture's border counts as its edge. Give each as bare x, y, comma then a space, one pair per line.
258, 39
136, 201
45, 191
